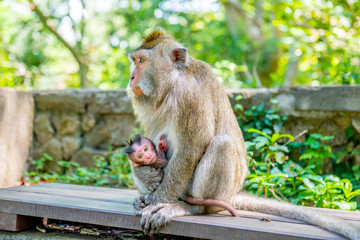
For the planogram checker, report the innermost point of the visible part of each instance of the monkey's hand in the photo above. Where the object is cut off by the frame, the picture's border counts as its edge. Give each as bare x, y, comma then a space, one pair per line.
155, 217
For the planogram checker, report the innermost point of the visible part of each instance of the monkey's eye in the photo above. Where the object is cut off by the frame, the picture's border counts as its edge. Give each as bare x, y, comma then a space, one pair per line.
140, 156
141, 59
146, 149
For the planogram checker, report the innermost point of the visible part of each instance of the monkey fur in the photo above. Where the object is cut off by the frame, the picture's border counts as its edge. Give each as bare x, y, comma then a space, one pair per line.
175, 94
145, 148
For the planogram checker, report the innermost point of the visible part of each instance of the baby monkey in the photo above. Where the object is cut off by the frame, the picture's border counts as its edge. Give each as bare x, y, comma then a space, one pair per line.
142, 151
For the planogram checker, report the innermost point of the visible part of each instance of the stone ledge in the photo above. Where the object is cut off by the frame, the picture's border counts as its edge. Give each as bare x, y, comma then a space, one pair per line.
292, 99
329, 98
83, 100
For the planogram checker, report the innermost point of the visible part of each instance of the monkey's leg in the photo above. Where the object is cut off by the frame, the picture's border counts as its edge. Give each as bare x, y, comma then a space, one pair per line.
218, 174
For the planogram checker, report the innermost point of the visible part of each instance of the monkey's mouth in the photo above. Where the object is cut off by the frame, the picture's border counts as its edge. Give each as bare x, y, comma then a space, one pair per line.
153, 159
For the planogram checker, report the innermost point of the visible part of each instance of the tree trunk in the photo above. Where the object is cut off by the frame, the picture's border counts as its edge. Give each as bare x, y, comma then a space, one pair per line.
83, 71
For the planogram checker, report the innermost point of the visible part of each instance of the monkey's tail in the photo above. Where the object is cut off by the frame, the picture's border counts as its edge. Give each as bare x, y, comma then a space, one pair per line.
269, 206
211, 202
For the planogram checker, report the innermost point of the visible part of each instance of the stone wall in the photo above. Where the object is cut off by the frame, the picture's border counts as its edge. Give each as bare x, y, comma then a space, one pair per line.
74, 125
331, 109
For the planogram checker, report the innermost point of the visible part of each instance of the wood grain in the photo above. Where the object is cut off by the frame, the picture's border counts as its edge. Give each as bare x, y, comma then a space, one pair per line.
113, 207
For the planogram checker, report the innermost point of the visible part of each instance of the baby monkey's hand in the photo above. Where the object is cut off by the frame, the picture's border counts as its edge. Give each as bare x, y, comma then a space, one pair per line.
163, 145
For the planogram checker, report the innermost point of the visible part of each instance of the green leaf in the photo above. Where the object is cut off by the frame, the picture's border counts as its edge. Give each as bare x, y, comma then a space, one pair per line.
277, 126
253, 130
260, 108
248, 144
332, 178
279, 157
316, 136
238, 107
308, 183
306, 156
350, 132
48, 157
279, 148
274, 137
239, 97
274, 101
343, 205
353, 194
277, 136
315, 145
327, 138
347, 187
260, 141
317, 178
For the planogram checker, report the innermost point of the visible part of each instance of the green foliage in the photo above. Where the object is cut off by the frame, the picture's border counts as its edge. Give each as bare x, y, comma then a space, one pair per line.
275, 43
316, 151
275, 172
268, 148
274, 175
113, 171
259, 117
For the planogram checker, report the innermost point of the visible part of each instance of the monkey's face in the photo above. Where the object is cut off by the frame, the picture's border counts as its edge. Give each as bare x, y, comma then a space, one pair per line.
144, 153
141, 80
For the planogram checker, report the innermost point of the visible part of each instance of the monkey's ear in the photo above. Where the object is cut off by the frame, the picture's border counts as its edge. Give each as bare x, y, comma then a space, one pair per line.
178, 55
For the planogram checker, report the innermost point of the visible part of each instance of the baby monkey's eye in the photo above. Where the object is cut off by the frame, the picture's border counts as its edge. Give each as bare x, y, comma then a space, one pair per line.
146, 149
141, 59
140, 156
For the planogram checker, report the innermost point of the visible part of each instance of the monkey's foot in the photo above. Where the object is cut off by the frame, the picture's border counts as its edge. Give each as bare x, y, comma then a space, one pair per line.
156, 217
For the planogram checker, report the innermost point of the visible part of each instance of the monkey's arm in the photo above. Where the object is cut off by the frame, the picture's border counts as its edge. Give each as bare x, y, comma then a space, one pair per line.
146, 178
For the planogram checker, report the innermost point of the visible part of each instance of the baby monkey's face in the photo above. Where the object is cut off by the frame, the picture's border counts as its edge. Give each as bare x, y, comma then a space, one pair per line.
144, 153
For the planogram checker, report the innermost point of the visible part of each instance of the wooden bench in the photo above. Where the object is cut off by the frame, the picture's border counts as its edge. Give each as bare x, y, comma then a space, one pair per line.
21, 206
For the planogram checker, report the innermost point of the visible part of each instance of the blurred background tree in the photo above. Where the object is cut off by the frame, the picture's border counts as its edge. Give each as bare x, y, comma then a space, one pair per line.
55, 44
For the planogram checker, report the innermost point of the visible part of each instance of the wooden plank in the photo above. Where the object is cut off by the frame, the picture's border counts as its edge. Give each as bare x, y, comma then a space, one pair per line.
211, 227
61, 201
126, 196
351, 215
110, 194
120, 215
255, 229
8, 221
15, 222
83, 188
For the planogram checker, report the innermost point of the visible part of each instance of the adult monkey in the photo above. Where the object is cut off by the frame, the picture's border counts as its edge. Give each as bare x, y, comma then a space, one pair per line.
177, 95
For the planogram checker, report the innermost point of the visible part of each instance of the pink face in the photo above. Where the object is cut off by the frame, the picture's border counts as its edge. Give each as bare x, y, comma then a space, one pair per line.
144, 153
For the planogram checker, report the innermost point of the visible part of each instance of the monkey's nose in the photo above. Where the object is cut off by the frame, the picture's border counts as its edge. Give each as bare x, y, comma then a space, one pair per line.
132, 77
